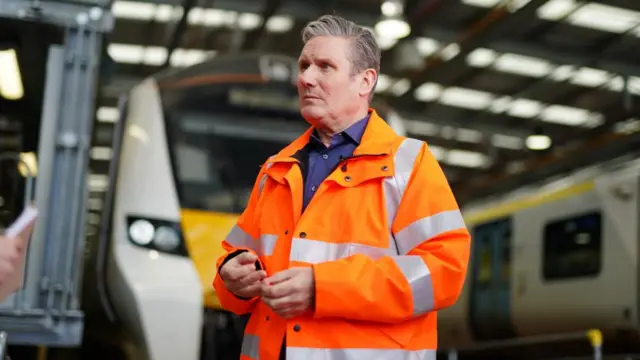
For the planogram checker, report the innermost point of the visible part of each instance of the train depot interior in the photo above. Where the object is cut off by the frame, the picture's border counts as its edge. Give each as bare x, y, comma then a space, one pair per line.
531, 107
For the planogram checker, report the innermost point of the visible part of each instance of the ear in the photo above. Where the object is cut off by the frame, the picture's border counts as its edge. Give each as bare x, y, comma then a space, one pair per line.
368, 81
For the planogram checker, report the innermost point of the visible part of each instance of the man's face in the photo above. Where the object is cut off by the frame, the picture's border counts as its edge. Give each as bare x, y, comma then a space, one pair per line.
327, 89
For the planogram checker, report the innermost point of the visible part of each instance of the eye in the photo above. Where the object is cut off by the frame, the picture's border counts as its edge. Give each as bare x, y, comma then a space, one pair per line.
303, 65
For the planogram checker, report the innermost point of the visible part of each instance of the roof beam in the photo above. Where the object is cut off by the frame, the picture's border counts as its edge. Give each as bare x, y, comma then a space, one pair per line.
445, 35
252, 37
176, 35
495, 24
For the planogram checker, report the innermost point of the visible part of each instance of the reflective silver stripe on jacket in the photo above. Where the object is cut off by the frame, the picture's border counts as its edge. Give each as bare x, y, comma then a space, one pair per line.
240, 239
251, 346
396, 185
426, 228
359, 354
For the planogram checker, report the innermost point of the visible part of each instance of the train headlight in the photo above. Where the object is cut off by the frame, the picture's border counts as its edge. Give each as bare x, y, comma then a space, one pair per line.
166, 239
155, 234
141, 232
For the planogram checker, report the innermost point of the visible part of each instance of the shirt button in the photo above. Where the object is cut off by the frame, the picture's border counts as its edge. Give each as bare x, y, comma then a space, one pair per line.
313, 188
325, 156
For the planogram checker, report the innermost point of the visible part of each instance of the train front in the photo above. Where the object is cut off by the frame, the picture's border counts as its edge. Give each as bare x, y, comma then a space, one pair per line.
192, 146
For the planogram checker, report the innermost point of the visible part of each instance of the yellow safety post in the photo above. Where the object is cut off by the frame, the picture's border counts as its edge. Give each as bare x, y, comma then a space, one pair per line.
595, 338
3, 345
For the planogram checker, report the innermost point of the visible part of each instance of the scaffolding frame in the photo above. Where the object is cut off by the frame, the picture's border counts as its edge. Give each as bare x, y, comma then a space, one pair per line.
46, 310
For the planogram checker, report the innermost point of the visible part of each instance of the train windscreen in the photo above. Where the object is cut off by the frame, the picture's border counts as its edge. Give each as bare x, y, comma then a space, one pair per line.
221, 135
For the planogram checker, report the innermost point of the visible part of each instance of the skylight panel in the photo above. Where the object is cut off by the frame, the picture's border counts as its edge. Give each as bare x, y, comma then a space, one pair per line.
565, 115
154, 55
437, 152
101, 153
466, 98
524, 108
107, 114
590, 77
428, 92
500, 104
249, 21
468, 135
556, 9
133, 10
125, 53
605, 18
423, 128
279, 23
481, 57
507, 141
400, 87
426, 46
593, 15
523, 65
383, 83
464, 158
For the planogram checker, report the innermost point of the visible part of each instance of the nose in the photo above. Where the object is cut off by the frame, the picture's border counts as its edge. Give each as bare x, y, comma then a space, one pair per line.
307, 77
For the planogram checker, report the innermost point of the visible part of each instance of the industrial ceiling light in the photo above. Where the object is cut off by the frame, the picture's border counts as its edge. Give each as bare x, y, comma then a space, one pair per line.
392, 25
10, 80
538, 141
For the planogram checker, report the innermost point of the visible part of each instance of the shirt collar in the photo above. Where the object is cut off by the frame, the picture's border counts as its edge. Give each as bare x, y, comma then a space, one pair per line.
353, 132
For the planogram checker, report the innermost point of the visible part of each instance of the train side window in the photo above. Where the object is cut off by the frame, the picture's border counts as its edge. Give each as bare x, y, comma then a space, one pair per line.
572, 247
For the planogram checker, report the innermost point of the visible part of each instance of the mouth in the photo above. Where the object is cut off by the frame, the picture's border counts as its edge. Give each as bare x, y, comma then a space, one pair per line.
309, 97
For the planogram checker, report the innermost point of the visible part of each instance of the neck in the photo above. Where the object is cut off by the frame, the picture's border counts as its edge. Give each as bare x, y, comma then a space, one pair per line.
326, 132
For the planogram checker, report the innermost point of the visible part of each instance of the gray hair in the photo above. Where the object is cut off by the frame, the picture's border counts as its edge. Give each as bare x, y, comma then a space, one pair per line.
365, 52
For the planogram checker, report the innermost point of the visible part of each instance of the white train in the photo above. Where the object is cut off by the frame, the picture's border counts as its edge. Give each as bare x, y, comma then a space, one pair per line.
552, 261
548, 260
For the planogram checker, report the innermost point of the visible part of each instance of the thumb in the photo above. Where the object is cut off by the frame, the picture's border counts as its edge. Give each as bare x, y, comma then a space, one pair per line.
247, 258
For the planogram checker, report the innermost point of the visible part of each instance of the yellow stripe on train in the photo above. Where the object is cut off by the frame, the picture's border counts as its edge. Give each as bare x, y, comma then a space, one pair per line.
203, 233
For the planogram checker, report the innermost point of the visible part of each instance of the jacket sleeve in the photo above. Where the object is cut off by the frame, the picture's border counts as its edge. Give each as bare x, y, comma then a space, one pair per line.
242, 237
427, 274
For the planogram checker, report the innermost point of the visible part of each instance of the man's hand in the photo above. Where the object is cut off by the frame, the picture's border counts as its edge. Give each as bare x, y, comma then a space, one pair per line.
241, 277
290, 292
10, 255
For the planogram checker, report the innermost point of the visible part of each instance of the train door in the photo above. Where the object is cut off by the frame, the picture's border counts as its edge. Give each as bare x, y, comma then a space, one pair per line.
490, 303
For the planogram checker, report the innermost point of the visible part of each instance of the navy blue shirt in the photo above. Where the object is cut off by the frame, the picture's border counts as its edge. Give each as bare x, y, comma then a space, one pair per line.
323, 160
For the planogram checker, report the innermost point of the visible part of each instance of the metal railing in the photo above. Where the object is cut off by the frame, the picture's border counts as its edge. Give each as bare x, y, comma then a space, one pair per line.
593, 336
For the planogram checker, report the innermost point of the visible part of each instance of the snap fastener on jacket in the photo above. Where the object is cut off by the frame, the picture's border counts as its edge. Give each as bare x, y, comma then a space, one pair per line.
347, 178
267, 317
385, 168
286, 232
303, 234
296, 327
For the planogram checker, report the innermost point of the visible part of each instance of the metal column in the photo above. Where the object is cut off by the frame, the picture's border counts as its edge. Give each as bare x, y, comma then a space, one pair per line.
47, 309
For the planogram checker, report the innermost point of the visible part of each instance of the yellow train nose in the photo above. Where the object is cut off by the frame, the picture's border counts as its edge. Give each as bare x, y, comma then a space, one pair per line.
203, 233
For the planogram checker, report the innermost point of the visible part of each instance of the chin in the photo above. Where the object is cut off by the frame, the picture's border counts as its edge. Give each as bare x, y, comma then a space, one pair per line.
311, 114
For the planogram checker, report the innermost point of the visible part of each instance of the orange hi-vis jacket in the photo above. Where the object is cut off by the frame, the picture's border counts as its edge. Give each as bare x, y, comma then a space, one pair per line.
386, 241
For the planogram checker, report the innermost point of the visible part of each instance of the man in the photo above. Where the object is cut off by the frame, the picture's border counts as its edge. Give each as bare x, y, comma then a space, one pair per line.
351, 239
10, 257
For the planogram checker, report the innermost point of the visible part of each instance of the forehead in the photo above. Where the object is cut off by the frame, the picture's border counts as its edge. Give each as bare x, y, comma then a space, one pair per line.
329, 47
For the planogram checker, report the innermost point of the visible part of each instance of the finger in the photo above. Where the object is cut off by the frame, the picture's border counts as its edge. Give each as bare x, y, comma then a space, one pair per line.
281, 302
247, 258
281, 276
234, 272
279, 290
252, 278
250, 291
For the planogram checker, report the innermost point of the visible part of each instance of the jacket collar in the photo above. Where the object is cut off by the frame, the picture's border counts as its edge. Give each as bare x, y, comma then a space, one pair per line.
377, 139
